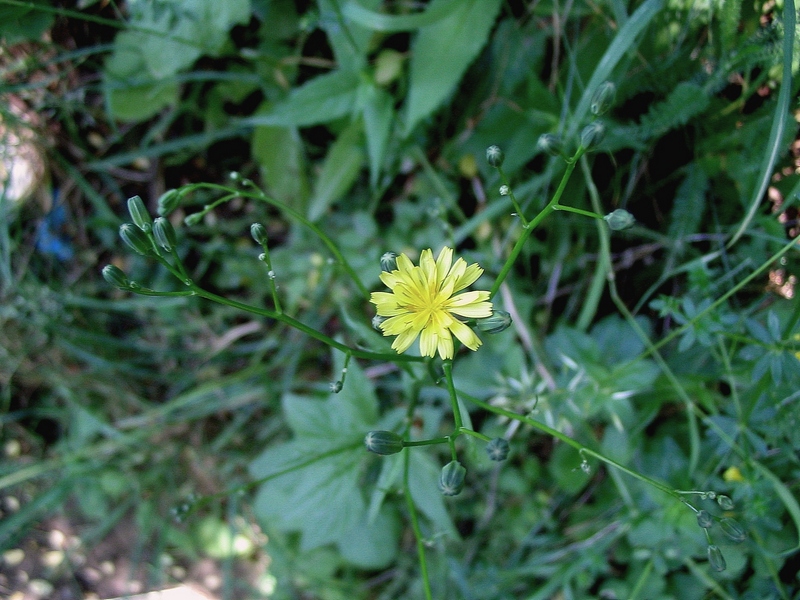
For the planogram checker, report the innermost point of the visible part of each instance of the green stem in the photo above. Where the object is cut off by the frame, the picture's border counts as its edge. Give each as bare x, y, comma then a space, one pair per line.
430, 442
304, 328
448, 372
511, 195
578, 211
271, 276
583, 450
526, 232
412, 511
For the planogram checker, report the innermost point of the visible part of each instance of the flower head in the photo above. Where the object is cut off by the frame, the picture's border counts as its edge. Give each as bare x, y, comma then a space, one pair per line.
424, 303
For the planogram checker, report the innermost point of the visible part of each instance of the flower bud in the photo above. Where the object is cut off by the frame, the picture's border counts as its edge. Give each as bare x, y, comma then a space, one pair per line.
732, 529
168, 201
498, 321
619, 220
136, 239
725, 503
141, 218
335, 387
383, 442
498, 449
259, 233
551, 143
704, 519
495, 156
116, 277
164, 233
603, 98
592, 135
451, 479
389, 261
715, 558
194, 219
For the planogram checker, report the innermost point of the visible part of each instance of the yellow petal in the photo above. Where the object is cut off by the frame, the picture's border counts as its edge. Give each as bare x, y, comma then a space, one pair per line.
465, 335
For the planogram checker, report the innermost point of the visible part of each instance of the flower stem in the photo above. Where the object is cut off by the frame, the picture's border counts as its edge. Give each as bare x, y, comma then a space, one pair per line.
412, 511
526, 232
448, 372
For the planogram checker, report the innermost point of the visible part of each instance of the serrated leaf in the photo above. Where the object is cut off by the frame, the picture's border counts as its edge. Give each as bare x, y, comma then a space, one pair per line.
442, 52
339, 171
690, 202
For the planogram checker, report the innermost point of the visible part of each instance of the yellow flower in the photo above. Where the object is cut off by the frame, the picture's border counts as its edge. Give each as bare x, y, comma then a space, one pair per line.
424, 303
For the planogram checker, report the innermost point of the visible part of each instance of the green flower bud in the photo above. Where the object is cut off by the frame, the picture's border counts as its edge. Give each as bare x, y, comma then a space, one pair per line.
592, 135
732, 529
383, 442
168, 201
136, 239
725, 503
259, 233
116, 277
704, 519
603, 98
193, 219
389, 261
498, 449
619, 219
141, 218
715, 558
335, 387
165, 234
495, 156
498, 321
451, 479
551, 143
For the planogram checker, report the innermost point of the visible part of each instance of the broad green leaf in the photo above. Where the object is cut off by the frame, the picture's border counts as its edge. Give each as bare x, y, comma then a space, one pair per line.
23, 23
378, 112
442, 52
339, 171
355, 10
372, 544
139, 102
319, 100
349, 39
280, 153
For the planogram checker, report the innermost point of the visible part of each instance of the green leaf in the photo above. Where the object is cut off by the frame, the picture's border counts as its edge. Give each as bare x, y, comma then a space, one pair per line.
280, 153
319, 100
690, 203
442, 52
357, 12
350, 40
372, 544
378, 112
339, 171
23, 23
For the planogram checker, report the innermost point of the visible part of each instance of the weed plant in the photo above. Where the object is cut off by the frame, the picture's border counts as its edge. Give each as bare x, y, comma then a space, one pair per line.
470, 299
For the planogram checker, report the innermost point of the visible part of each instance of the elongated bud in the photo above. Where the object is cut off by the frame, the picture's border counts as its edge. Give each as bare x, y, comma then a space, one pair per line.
389, 261
116, 277
136, 239
725, 503
498, 449
168, 201
495, 156
165, 234
592, 135
141, 218
715, 558
193, 219
383, 442
451, 479
704, 519
603, 98
259, 233
619, 220
732, 529
498, 321
551, 143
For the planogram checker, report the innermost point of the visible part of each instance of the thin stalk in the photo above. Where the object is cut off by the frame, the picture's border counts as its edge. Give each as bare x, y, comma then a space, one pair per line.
511, 195
412, 512
448, 372
526, 232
